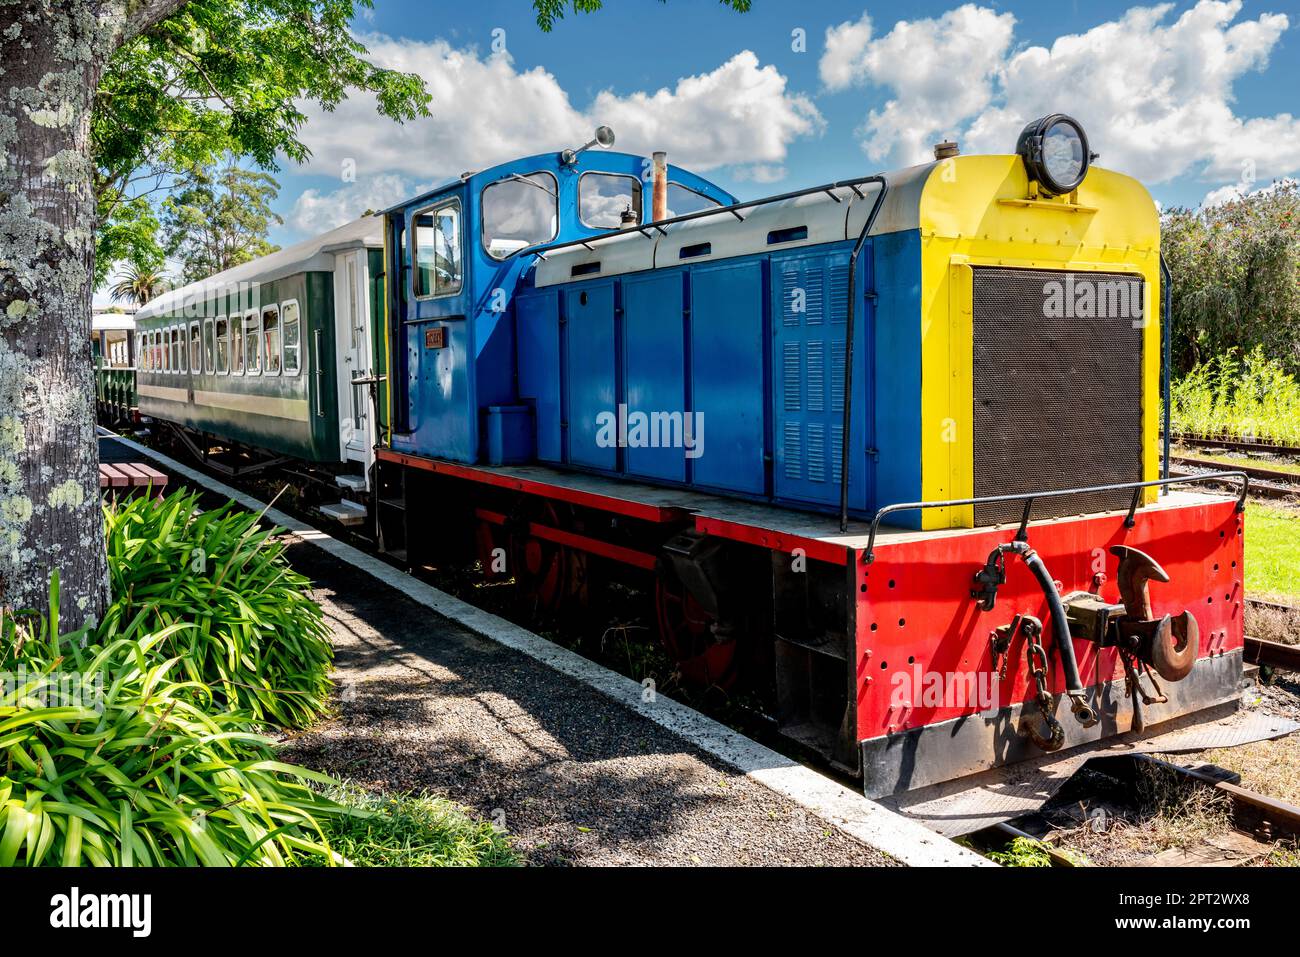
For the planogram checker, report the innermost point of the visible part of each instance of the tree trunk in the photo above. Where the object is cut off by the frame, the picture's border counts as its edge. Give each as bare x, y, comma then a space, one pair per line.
51, 56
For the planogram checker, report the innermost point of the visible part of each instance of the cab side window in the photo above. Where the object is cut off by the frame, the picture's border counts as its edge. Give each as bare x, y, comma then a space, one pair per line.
437, 265
604, 198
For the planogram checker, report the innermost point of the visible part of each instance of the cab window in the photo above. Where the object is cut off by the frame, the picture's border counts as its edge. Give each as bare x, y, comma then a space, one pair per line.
518, 212
683, 200
437, 250
604, 197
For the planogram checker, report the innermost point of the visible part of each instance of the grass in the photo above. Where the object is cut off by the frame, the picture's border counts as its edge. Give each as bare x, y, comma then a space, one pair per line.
413, 830
1248, 398
1272, 552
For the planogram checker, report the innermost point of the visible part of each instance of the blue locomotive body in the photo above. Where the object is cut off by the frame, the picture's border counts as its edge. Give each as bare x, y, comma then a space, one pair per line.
708, 352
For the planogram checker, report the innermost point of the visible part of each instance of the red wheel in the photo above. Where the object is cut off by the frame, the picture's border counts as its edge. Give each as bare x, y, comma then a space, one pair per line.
688, 634
551, 578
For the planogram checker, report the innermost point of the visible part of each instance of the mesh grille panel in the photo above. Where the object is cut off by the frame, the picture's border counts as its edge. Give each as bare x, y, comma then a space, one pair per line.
1058, 388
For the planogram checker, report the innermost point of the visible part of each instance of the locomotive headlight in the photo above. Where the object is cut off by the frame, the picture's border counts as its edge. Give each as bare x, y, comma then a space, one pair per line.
1055, 153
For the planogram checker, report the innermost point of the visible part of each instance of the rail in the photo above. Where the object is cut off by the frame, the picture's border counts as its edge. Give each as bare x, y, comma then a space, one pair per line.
648, 229
1030, 497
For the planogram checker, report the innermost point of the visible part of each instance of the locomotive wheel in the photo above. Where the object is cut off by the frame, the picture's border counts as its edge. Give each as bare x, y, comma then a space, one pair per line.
687, 633
551, 578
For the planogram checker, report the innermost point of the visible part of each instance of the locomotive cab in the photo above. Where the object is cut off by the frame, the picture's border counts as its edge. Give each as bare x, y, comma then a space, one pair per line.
458, 254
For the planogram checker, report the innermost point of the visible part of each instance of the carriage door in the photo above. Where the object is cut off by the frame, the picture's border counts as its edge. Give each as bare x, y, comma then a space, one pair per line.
351, 294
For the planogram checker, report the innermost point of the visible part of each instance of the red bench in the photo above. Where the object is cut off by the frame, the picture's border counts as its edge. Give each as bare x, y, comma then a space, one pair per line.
134, 475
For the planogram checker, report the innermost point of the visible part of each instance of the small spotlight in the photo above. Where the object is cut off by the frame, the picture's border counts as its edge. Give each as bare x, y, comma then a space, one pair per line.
1055, 153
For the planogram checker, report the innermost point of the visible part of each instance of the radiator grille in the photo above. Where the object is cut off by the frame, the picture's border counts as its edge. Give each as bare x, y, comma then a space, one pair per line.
1058, 388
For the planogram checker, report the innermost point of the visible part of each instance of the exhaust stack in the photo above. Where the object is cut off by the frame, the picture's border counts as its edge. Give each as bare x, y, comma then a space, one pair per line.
659, 200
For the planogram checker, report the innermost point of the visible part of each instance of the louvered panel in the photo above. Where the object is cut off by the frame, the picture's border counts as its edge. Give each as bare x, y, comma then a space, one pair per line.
790, 281
792, 449
814, 289
838, 306
816, 456
816, 376
837, 376
792, 373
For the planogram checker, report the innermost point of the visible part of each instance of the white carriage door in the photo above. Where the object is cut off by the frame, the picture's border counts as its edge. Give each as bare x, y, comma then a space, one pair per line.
352, 329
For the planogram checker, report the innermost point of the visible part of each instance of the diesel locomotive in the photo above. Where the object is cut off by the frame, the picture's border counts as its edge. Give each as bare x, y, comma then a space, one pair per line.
884, 451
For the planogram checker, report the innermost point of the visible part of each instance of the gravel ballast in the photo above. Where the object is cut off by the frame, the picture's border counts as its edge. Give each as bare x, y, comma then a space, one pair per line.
424, 704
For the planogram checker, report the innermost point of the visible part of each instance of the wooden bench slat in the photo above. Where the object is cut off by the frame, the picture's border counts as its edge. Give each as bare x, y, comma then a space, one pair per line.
115, 478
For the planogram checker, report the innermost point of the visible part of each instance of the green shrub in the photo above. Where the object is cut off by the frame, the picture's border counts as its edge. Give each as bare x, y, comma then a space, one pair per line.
250, 630
109, 760
1234, 397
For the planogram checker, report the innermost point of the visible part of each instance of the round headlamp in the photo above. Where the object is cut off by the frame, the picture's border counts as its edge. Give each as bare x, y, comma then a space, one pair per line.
1055, 152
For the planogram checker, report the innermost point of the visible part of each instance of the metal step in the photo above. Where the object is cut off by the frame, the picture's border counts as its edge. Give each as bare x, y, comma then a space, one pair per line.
353, 483
345, 512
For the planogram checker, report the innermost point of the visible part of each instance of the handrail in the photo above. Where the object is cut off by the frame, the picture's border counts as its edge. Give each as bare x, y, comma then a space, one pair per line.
1029, 497
734, 210
846, 431
1166, 341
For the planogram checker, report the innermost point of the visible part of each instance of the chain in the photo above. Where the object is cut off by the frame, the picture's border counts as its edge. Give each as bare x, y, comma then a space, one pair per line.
1037, 656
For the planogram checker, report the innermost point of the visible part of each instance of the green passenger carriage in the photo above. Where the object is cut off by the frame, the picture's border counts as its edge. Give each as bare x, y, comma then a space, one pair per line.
274, 354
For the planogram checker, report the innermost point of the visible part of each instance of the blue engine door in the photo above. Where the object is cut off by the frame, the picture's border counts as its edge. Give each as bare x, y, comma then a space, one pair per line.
727, 377
655, 373
589, 354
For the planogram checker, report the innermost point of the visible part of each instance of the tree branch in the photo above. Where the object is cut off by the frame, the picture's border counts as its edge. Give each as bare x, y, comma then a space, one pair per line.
142, 14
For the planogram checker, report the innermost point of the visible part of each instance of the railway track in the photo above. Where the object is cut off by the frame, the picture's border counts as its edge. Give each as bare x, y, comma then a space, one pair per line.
1274, 654
1266, 483
1257, 820
1236, 445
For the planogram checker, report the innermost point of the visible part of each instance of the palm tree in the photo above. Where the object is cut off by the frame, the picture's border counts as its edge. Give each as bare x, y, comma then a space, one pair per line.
139, 285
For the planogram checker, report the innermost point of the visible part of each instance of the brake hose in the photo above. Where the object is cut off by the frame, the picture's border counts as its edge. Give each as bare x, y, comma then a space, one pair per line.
994, 575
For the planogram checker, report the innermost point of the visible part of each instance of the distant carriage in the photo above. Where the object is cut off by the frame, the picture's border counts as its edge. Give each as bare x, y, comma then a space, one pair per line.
274, 355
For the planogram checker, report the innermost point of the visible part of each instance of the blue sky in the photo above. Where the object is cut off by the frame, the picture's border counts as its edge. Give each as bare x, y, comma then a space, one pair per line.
1191, 97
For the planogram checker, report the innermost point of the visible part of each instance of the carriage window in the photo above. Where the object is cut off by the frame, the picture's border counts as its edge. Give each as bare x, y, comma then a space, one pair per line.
602, 198
164, 358
176, 347
437, 250
236, 346
208, 352
196, 356
292, 338
253, 344
518, 212
683, 200
223, 345
271, 336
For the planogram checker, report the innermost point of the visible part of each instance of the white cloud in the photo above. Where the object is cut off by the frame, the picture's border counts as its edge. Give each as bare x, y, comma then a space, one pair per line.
1155, 95
486, 111
759, 173
1230, 194
940, 72
317, 212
